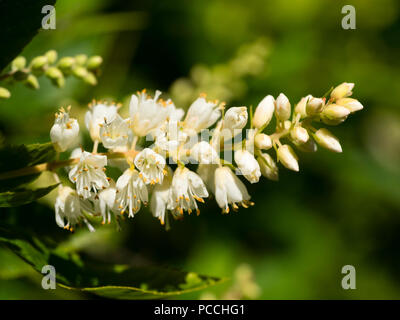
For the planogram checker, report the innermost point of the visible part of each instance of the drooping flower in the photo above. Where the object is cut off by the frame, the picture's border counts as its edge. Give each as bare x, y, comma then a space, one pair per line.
115, 133
147, 113
229, 190
235, 118
202, 152
248, 165
264, 111
160, 197
106, 202
65, 131
99, 114
187, 188
131, 193
68, 209
151, 166
89, 174
201, 115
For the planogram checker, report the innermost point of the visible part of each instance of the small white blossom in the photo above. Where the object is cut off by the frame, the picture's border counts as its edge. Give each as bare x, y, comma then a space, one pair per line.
106, 202
282, 107
263, 141
248, 165
131, 193
288, 158
268, 167
68, 209
342, 91
201, 115
335, 112
65, 131
89, 174
299, 135
151, 166
327, 140
114, 134
300, 107
204, 153
147, 113
229, 190
235, 118
264, 111
351, 104
160, 197
187, 188
97, 115
314, 106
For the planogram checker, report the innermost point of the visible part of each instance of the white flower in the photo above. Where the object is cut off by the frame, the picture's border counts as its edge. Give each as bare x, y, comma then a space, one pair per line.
160, 197
131, 193
65, 131
351, 104
288, 158
187, 187
335, 112
235, 118
327, 140
229, 190
174, 113
248, 165
201, 115
342, 91
106, 202
283, 108
169, 136
147, 113
314, 106
89, 174
151, 166
204, 153
115, 133
68, 209
264, 111
263, 141
299, 135
96, 116
300, 107
268, 167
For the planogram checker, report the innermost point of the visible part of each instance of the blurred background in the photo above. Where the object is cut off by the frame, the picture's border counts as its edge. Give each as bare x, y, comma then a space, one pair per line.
340, 209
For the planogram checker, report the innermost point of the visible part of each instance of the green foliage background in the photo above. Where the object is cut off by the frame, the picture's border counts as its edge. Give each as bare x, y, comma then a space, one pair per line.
340, 209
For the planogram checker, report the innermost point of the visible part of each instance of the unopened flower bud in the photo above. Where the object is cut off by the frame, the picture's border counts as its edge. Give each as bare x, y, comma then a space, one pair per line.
263, 141
38, 63
301, 106
268, 167
94, 62
327, 140
51, 56
4, 93
81, 59
283, 108
299, 134
204, 153
248, 165
66, 63
90, 78
309, 146
18, 63
32, 82
314, 106
54, 73
335, 112
79, 72
351, 104
264, 111
235, 118
343, 90
288, 157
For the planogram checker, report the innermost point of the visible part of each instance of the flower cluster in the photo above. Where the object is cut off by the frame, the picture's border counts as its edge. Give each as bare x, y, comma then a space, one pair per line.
186, 160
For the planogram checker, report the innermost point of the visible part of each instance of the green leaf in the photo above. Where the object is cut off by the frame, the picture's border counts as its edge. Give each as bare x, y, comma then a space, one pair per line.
19, 23
20, 197
107, 280
22, 156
